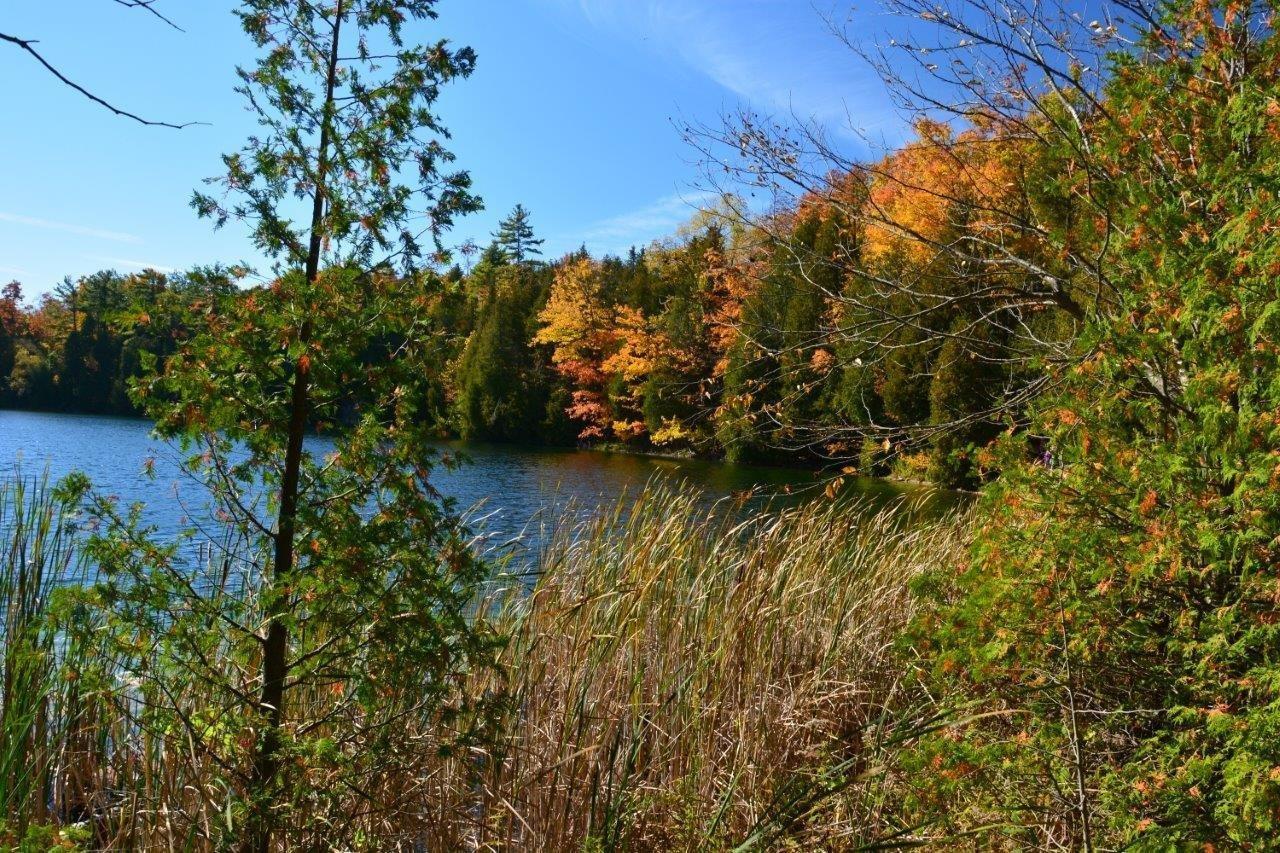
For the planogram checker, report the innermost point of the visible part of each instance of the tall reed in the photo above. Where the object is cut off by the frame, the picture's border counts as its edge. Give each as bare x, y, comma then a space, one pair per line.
686, 679
37, 558
679, 678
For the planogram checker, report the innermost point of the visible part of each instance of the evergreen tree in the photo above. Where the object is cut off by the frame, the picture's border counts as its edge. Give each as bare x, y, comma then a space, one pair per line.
91, 357
499, 398
1112, 653
361, 579
515, 236
11, 318
810, 282
491, 259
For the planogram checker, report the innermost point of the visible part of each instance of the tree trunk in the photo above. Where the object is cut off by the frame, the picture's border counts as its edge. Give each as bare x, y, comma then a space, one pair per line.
275, 649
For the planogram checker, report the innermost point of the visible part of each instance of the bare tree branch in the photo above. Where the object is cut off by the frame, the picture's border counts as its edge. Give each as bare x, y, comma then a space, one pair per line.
28, 46
985, 271
150, 7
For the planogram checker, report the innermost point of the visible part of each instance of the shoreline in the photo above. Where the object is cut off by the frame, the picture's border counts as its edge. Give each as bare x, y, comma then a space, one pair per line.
606, 448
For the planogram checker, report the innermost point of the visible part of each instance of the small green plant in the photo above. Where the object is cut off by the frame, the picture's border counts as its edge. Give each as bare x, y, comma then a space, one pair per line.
43, 838
37, 558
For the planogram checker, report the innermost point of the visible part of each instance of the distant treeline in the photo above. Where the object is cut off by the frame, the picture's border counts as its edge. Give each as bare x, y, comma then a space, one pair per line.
79, 347
717, 341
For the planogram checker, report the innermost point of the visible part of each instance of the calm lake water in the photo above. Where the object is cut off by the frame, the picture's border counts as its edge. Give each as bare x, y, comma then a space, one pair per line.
511, 489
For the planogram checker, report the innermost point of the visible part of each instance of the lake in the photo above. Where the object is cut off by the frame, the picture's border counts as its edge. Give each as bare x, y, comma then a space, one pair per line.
510, 489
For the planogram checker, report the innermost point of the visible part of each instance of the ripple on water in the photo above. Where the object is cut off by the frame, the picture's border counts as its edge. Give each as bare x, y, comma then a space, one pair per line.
511, 488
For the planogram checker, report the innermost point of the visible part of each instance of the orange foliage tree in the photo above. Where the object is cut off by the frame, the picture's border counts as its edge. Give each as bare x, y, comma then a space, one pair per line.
579, 324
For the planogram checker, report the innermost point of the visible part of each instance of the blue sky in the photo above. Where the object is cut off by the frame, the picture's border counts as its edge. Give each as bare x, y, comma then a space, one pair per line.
573, 111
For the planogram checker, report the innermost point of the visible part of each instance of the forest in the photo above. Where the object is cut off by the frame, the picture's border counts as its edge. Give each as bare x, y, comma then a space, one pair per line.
1060, 290
729, 339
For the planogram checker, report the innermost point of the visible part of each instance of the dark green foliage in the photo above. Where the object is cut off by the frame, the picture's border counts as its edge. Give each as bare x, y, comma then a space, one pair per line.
82, 348
11, 327
773, 388
966, 380
358, 619
515, 237
91, 362
556, 428
503, 383
1116, 630
501, 390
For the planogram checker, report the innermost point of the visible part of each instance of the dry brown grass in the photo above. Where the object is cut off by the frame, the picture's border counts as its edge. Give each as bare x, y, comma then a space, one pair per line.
680, 679
685, 682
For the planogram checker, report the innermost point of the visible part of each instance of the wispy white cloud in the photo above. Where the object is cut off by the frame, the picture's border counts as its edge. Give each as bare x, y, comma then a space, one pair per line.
643, 225
775, 54
125, 262
49, 225
12, 271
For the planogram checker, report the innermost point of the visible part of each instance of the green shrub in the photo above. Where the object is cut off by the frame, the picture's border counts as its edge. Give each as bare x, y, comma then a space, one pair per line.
1114, 643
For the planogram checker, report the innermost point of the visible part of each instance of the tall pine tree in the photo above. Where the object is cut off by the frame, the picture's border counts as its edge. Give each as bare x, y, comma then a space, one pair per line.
515, 236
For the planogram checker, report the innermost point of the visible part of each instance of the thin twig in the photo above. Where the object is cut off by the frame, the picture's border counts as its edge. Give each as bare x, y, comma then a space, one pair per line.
26, 44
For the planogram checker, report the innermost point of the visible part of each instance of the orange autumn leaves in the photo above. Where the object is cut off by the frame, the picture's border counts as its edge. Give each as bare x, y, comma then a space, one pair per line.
578, 324
606, 351
898, 216
938, 188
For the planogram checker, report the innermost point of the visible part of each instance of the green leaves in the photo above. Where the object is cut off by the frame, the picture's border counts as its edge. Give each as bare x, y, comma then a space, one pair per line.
348, 143
336, 611
1124, 601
